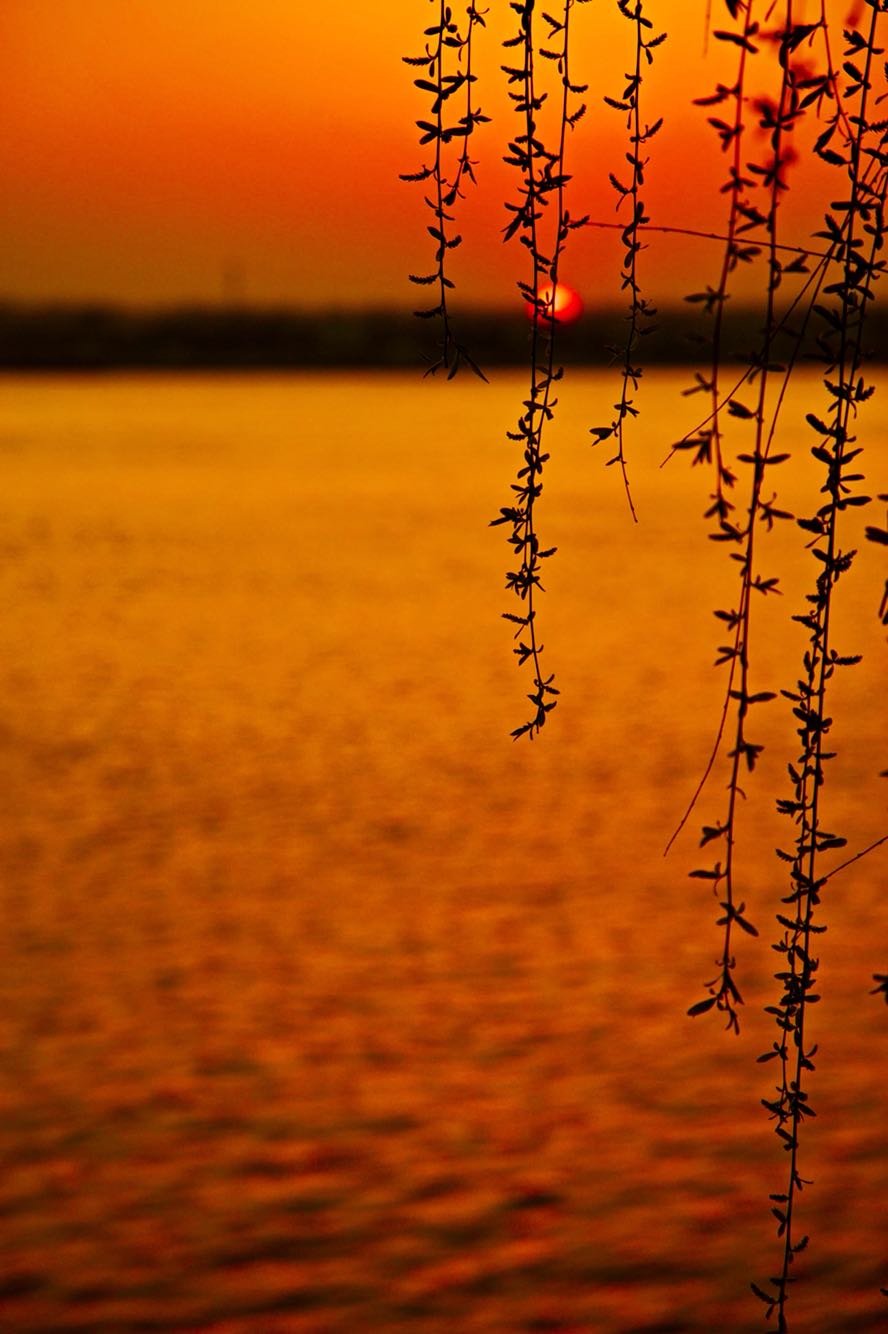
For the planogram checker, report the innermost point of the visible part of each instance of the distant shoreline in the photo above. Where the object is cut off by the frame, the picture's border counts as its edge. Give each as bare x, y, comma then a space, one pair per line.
100, 337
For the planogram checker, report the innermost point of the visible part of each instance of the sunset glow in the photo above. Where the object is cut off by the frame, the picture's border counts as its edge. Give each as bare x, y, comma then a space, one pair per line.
151, 150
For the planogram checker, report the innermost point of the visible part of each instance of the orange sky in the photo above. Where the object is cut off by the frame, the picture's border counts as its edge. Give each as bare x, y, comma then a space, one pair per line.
157, 151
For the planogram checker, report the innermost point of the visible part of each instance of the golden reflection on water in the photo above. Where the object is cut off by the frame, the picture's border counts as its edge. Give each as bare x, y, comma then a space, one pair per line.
324, 1006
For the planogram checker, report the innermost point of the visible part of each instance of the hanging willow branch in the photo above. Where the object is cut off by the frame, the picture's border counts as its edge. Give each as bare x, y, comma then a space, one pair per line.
542, 182
742, 217
446, 49
641, 309
778, 118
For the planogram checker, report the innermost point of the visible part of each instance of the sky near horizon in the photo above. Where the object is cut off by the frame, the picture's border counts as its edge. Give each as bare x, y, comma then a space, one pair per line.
155, 152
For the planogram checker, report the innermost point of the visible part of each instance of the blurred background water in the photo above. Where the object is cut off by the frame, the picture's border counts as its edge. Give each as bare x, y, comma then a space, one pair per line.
326, 1007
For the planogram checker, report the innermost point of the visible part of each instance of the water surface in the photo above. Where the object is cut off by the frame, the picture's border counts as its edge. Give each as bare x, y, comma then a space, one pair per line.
327, 1008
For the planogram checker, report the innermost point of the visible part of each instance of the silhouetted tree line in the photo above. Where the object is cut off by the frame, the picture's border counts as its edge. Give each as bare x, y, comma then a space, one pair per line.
99, 338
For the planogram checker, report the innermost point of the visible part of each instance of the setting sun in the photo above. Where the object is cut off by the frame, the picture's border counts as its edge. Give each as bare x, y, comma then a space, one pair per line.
562, 305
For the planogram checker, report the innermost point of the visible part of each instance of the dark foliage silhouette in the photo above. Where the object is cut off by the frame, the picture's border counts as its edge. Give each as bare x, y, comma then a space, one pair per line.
823, 79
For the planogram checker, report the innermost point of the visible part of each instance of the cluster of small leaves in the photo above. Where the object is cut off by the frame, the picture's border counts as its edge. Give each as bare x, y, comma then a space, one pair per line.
840, 343
542, 183
447, 61
641, 310
778, 119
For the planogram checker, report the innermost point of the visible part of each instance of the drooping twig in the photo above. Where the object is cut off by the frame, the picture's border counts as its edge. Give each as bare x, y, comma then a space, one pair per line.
641, 309
543, 179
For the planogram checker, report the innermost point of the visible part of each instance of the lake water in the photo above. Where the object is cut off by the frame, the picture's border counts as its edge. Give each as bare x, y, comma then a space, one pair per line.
325, 1007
